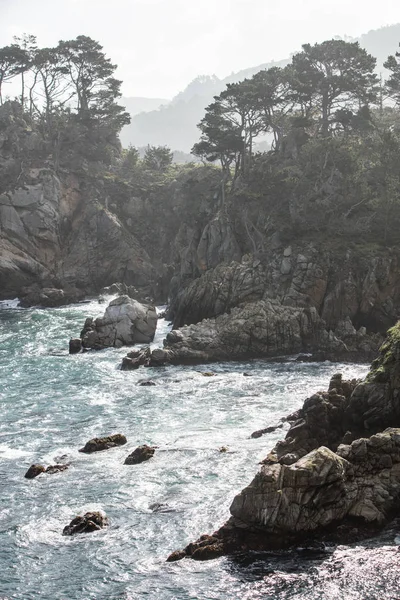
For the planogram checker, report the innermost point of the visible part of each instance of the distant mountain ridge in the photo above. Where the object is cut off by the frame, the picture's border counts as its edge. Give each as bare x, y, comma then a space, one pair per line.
174, 123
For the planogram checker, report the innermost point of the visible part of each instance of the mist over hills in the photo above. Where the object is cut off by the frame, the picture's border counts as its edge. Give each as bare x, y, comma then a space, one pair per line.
174, 123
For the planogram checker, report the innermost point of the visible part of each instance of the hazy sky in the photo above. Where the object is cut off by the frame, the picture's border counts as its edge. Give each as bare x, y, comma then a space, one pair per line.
161, 45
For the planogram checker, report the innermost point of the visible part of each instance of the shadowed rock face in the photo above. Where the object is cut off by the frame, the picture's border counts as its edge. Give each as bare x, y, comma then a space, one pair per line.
57, 231
305, 488
344, 285
125, 322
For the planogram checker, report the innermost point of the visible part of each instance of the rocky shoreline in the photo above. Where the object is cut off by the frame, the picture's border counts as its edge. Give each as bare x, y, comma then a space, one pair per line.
336, 476
263, 329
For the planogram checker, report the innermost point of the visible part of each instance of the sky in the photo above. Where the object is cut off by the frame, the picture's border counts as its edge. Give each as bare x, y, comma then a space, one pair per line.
161, 45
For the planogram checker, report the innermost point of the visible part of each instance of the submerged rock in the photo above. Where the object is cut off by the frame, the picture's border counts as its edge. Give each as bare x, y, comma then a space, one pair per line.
125, 322
335, 477
48, 297
159, 507
261, 432
90, 521
56, 469
104, 443
141, 454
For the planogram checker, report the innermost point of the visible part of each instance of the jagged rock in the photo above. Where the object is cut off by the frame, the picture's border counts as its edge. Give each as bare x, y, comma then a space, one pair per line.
75, 345
147, 383
125, 322
34, 471
49, 297
217, 291
338, 467
208, 552
258, 329
141, 454
348, 287
261, 432
158, 357
323, 420
91, 521
136, 358
56, 469
177, 555
104, 443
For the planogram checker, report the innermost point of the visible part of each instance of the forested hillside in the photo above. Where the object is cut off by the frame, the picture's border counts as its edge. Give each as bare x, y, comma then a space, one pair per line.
174, 124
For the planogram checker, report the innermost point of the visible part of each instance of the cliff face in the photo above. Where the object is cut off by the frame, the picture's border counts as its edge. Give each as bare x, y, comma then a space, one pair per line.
360, 283
56, 228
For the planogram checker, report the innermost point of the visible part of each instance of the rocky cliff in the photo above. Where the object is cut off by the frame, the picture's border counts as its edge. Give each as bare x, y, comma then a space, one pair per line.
335, 476
56, 228
358, 282
174, 235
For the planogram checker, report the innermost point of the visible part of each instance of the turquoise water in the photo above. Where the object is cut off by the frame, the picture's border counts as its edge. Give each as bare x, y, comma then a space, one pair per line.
52, 403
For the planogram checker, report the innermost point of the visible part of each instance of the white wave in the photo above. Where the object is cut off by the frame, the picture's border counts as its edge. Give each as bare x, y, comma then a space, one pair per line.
10, 453
9, 303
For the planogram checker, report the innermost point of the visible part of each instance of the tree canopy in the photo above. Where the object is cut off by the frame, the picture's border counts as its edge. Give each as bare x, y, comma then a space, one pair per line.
70, 91
321, 91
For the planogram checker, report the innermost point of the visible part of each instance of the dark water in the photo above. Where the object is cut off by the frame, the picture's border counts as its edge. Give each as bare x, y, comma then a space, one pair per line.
52, 403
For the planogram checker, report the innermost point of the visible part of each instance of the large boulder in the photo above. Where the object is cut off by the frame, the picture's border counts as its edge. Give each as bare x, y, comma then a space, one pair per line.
140, 454
125, 322
104, 443
90, 521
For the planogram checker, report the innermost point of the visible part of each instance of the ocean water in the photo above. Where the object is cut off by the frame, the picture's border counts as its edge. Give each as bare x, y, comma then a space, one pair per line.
51, 403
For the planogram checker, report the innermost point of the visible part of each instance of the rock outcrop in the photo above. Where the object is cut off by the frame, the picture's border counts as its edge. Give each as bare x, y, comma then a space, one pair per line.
35, 470
104, 443
135, 359
125, 322
337, 471
141, 454
263, 328
90, 521
349, 288
48, 297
